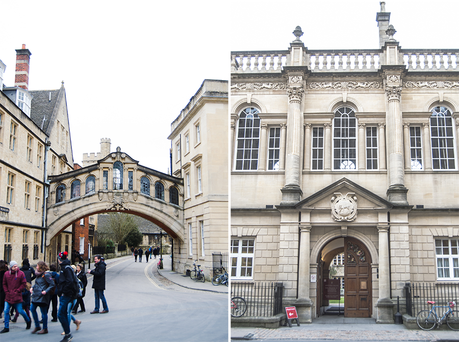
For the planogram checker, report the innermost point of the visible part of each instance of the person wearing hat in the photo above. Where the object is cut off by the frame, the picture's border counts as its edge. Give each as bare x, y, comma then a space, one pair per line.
29, 275
14, 282
66, 293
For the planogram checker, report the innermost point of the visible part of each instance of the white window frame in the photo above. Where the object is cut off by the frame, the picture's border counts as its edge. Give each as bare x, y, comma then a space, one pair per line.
27, 186
201, 229
248, 140
199, 178
190, 239
345, 150
416, 157
242, 256
447, 258
187, 184
273, 149
187, 144
442, 139
317, 145
371, 147
177, 149
198, 133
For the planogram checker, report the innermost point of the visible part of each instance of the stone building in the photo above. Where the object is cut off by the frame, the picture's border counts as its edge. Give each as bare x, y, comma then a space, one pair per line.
199, 155
34, 143
345, 151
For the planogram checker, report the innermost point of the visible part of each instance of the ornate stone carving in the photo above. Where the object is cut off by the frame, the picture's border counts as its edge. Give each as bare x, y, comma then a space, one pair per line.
295, 94
296, 79
258, 86
117, 202
394, 93
344, 207
432, 84
345, 85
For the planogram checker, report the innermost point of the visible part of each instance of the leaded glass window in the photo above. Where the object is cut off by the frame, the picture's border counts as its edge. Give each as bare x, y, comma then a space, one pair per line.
344, 139
248, 140
117, 176
442, 139
416, 148
159, 190
145, 186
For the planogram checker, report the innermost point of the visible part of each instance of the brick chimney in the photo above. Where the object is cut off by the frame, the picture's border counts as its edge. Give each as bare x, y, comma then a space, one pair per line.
21, 78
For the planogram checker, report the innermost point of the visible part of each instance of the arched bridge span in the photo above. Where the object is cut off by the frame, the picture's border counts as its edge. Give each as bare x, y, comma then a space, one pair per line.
115, 183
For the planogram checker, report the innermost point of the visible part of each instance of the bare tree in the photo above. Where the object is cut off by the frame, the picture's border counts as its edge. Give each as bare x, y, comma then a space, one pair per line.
117, 227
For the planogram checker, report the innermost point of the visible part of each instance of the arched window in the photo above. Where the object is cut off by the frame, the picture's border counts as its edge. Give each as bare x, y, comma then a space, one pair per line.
344, 139
60, 193
173, 195
442, 139
90, 184
75, 189
159, 190
248, 140
145, 186
118, 176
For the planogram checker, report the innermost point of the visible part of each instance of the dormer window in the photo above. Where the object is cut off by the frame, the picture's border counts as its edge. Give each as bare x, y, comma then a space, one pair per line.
23, 101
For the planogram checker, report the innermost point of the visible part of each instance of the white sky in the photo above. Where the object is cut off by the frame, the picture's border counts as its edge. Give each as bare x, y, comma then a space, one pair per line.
130, 67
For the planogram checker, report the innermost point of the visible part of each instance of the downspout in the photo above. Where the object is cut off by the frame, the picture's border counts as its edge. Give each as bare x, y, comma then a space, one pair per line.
45, 197
388, 244
298, 259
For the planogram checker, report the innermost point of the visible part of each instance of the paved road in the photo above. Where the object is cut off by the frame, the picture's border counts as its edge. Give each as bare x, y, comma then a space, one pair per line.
143, 307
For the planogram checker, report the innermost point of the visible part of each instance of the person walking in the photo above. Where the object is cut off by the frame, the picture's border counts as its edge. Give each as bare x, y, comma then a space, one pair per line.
84, 280
14, 282
136, 253
147, 254
71, 305
140, 251
30, 275
66, 293
41, 295
98, 284
3, 269
55, 277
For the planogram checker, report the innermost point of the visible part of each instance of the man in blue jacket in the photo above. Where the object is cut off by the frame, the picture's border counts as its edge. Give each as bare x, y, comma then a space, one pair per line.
66, 293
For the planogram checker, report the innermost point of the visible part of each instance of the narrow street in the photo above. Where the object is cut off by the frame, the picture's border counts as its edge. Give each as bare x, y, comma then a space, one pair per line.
143, 307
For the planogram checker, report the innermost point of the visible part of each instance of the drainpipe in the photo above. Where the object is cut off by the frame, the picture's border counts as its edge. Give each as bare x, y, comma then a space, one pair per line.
45, 197
388, 245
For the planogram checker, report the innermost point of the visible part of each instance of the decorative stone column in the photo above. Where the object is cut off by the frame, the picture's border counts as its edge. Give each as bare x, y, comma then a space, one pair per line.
304, 304
263, 147
382, 147
427, 151
307, 147
384, 304
282, 147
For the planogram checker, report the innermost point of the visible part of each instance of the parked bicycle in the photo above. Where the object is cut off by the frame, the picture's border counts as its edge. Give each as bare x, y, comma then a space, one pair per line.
196, 273
238, 306
220, 279
428, 319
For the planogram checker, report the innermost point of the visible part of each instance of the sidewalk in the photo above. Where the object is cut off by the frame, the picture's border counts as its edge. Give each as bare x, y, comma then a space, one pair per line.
185, 281
332, 328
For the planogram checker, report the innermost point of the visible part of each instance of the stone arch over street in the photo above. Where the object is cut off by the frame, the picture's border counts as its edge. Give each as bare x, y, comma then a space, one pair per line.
114, 184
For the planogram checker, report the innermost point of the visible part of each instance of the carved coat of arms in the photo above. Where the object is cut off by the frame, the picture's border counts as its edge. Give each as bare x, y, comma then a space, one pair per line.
344, 207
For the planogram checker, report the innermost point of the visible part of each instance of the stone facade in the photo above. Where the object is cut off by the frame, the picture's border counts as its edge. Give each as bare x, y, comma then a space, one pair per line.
199, 138
339, 151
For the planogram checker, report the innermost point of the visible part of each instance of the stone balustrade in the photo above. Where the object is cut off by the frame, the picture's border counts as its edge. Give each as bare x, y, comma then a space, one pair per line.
342, 60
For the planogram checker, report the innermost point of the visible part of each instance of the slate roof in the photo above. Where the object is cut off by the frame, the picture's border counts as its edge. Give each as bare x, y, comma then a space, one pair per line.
44, 107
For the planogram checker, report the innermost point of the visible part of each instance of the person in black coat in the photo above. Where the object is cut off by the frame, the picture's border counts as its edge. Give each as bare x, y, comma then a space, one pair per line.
98, 284
147, 254
41, 295
66, 293
140, 251
55, 277
136, 253
82, 276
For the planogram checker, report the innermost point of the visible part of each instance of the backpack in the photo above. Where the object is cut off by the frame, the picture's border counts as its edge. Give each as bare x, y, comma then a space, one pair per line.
77, 284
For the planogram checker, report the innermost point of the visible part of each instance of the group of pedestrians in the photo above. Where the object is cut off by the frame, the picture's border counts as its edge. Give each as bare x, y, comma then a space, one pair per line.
17, 293
149, 252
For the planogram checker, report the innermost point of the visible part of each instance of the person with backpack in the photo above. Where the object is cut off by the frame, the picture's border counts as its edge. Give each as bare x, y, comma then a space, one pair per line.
84, 280
41, 295
29, 275
67, 291
98, 284
55, 277
73, 303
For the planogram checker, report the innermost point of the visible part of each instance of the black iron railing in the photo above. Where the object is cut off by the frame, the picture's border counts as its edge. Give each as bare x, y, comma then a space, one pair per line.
264, 299
417, 295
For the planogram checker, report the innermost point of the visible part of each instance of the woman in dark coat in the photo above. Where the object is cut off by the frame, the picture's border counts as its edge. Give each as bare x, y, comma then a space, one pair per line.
29, 275
82, 276
41, 296
3, 269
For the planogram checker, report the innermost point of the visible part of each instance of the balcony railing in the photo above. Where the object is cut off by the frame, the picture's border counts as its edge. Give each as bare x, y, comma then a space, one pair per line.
343, 60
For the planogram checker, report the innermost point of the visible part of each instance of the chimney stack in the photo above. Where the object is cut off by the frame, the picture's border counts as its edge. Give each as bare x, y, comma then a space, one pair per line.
21, 78
383, 19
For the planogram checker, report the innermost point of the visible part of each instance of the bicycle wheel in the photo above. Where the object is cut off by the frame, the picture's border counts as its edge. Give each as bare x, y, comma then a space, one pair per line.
426, 320
452, 320
201, 277
238, 306
216, 280
193, 275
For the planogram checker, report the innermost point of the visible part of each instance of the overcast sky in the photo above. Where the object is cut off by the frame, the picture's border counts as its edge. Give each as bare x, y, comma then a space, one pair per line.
130, 67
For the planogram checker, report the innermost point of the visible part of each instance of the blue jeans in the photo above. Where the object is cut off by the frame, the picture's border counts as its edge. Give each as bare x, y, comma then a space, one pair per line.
44, 315
65, 306
18, 307
99, 295
70, 306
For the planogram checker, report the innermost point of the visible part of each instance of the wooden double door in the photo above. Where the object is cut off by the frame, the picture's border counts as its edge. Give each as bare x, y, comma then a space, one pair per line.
357, 279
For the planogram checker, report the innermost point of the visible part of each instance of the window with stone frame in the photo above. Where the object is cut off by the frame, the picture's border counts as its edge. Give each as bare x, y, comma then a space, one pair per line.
371, 146
317, 148
344, 139
248, 140
53, 165
8, 247
2, 119
416, 148
198, 132
13, 135
117, 175
131, 181
145, 186
242, 254
10, 188
201, 232
75, 189
36, 242
187, 186
29, 148
199, 179
90, 184
173, 195
447, 258
27, 187
190, 239
442, 139
159, 190
37, 198
274, 148
39, 155
187, 143
25, 244
60, 193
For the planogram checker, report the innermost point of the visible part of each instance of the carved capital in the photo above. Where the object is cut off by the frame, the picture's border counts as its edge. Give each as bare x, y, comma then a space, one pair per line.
295, 94
383, 229
394, 93
381, 125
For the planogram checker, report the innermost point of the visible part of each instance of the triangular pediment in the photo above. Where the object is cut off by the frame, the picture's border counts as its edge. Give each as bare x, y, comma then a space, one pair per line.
365, 199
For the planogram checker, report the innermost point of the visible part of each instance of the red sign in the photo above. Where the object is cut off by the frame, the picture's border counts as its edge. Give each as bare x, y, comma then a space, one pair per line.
291, 312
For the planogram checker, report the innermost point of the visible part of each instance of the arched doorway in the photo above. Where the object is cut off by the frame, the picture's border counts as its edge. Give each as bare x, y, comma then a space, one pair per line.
355, 275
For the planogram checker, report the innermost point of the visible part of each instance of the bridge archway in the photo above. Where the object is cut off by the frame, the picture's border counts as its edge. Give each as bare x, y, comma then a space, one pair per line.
116, 183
